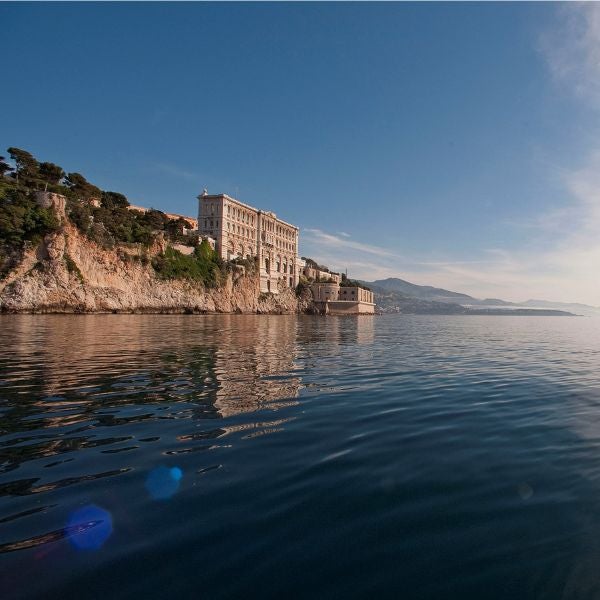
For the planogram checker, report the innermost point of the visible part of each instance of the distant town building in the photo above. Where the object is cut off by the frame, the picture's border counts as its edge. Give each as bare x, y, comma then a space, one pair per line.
242, 231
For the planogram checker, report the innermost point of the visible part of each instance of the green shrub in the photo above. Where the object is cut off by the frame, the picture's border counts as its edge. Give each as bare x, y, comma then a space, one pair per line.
172, 264
22, 219
353, 283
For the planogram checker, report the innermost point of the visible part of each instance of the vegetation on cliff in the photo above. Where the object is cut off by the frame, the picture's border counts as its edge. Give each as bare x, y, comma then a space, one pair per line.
21, 218
345, 282
104, 217
203, 265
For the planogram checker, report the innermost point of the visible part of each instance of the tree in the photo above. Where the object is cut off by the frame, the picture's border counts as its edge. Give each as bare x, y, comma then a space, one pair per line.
175, 227
21, 219
83, 189
27, 165
155, 219
4, 167
113, 200
50, 173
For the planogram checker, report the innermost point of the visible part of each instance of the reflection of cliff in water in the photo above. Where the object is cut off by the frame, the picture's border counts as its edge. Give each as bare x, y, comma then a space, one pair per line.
72, 377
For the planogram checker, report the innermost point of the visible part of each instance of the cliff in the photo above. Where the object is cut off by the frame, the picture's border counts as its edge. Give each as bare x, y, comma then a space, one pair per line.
67, 272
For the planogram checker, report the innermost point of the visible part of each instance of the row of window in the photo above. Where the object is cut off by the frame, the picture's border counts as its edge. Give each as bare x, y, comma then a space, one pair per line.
239, 214
279, 230
249, 233
363, 295
243, 216
279, 266
210, 209
213, 224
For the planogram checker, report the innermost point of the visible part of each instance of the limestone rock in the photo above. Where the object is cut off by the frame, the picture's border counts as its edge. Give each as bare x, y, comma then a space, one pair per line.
123, 280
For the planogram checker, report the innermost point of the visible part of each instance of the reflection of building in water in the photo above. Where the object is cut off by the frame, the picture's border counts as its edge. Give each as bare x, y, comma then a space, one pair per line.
254, 363
331, 333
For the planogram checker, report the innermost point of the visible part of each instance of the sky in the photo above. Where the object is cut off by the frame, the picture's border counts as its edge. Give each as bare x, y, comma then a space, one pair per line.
454, 145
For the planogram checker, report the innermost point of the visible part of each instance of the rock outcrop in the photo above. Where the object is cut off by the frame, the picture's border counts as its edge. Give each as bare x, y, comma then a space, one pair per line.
69, 273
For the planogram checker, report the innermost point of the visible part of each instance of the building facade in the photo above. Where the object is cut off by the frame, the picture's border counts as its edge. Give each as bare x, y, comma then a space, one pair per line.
242, 231
334, 299
320, 275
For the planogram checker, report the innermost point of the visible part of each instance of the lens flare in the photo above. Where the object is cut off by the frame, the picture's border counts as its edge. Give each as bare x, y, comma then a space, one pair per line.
163, 482
89, 527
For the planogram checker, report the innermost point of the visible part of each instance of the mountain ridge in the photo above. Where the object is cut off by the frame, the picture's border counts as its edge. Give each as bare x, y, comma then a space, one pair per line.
398, 295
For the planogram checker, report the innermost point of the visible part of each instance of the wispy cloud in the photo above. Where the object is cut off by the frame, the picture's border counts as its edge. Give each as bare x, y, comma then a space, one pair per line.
175, 171
572, 49
329, 240
369, 261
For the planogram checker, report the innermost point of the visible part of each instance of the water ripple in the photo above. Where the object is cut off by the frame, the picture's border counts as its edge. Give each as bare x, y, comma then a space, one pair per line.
421, 457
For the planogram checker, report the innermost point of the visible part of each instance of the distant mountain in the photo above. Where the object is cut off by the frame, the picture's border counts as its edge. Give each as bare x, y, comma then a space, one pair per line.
423, 292
575, 307
397, 295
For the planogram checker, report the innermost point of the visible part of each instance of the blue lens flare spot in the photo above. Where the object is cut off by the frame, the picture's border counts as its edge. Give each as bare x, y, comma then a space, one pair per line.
89, 527
163, 482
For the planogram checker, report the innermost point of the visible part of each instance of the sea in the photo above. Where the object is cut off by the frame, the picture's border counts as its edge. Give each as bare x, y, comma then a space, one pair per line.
267, 456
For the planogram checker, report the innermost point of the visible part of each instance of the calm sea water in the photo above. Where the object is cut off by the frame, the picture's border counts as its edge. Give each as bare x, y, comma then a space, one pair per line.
277, 456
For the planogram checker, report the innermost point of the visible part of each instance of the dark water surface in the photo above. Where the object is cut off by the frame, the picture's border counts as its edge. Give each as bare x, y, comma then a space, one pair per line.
282, 457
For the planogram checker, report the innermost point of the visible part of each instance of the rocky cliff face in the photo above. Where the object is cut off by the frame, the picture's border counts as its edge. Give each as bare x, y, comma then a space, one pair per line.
68, 272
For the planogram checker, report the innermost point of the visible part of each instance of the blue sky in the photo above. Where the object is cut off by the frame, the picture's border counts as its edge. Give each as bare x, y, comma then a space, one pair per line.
449, 144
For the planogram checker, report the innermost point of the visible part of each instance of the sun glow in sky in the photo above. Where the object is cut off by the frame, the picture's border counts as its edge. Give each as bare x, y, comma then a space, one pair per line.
455, 145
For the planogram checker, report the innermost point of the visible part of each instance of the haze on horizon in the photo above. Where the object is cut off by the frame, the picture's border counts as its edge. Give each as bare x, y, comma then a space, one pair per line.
452, 145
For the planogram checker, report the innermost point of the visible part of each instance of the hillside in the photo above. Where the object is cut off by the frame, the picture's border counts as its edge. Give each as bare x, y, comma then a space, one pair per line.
395, 295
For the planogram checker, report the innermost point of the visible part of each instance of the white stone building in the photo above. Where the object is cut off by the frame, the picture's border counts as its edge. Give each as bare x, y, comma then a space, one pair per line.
335, 299
243, 231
